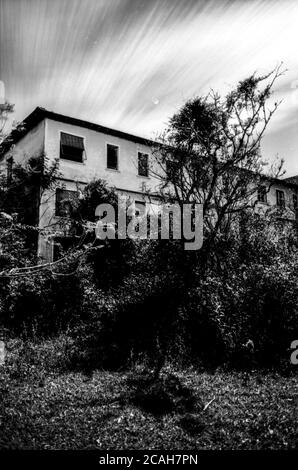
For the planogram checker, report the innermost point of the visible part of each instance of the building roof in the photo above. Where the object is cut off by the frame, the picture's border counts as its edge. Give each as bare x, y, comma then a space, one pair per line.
39, 114
292, 179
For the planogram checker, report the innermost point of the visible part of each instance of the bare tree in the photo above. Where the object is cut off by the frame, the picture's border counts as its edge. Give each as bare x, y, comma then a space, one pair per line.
210, 152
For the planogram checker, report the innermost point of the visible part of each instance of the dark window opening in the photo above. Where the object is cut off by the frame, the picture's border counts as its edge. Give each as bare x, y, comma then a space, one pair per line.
71, 147
140, 211
140, 208
280, 198
295, 201
112, 157
65, 201
143, 166
262, 194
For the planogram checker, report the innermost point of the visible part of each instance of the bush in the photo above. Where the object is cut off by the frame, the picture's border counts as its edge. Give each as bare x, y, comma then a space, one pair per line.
40, 305
125, 324
153, 302
163, 310
250, 295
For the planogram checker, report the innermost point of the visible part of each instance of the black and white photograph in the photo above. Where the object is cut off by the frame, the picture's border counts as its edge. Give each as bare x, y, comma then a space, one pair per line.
148, 231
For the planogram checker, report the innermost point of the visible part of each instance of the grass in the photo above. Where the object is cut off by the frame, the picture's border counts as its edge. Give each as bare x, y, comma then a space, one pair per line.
42, 408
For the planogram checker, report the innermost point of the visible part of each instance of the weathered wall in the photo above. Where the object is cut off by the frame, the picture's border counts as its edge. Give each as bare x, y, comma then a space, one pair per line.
73, 174
95, 164
289, 191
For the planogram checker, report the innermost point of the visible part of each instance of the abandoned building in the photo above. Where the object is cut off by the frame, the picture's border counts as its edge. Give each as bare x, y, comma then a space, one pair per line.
87, 151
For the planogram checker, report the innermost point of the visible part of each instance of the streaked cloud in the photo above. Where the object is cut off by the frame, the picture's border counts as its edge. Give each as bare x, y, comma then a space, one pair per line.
130, 64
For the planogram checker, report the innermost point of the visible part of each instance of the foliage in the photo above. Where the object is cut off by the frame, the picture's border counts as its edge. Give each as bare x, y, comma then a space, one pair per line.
124, 324
50, 298
19, 208
252, 295
152, 301
5, 110
94, 193
21, 193
210, 152
39, 305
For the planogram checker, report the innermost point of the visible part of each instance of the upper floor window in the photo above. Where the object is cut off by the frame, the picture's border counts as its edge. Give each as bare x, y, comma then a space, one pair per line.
65, 200
295, 201
262, 194
140, 207
71, 147
143, 164
112, 156
280, 198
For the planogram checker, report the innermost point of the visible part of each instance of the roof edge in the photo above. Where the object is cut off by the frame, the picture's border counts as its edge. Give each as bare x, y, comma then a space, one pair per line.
38, 114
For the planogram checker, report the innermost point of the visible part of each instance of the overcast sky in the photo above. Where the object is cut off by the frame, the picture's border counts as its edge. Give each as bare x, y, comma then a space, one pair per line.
130, 64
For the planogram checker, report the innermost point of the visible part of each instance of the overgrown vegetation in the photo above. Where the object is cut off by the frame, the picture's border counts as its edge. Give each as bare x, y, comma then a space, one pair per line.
146, 308
152, 301
146, 311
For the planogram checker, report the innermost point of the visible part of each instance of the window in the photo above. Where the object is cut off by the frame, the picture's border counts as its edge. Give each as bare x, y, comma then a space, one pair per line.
65, 200
262, 194
140, 207
9, 170
71, 147
112, 157
143, 167
295, 201
280, 198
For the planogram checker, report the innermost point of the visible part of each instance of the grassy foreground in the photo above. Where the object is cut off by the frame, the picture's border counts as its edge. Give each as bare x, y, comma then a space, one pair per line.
42, 409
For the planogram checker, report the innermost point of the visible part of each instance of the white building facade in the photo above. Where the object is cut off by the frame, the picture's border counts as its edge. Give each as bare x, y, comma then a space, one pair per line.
85, 151
88, 151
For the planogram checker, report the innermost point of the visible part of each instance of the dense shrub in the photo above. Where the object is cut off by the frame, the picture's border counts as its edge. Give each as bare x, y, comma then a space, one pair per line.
156, 314
133, 322
41, 304
250, 294
255, 303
